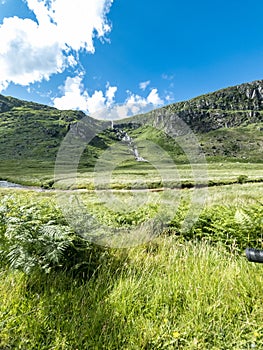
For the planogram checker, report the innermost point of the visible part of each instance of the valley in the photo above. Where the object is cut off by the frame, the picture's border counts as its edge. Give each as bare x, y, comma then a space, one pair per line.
100, 248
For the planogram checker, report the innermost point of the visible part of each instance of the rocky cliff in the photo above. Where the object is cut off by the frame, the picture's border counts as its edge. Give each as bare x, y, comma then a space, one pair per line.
230, 107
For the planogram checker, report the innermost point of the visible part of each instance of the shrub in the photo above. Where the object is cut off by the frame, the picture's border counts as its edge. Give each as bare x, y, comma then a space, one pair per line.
242, 179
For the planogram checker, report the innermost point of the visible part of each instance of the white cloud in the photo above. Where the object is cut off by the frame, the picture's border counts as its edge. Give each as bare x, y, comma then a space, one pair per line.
136, 99
26, 55
101, 105
95, 102
169, 98
143, 85
78, 20
110, 94
75, 97
154, 98
32, 51
136, 104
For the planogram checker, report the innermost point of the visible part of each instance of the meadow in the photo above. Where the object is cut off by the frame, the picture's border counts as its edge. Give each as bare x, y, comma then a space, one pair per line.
184, 289
129, 174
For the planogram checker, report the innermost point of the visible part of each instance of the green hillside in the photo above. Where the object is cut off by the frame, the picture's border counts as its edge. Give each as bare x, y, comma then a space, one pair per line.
228, 125
30, 136
33, 131
242, 143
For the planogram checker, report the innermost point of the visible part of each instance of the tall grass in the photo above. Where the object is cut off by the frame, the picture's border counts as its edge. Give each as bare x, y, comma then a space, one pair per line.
191, 291
166, 295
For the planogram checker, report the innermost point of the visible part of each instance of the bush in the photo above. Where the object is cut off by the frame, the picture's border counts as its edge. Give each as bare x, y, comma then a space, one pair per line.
242, 179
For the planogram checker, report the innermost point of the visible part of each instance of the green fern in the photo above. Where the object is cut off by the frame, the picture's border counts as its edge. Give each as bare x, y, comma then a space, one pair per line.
35, 236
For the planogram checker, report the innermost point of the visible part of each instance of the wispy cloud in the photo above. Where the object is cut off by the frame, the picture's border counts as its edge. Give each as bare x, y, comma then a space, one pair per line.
168, 77
135, 104
143, 85
169, 97
51, 44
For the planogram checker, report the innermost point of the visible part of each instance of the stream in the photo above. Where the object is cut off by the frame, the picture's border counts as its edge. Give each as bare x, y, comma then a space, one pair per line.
7, 184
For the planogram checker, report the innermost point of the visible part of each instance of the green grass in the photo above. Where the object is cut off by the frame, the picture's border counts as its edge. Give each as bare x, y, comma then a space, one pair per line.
183, 290
166, 295
242, 143
171, 293
130, 174
190, 287
27, 172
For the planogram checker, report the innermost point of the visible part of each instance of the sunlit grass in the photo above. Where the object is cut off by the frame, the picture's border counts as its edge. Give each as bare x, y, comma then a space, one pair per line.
130, 175
165, 295
175, 292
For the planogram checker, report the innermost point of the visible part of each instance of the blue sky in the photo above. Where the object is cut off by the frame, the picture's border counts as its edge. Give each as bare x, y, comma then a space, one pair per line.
91, 54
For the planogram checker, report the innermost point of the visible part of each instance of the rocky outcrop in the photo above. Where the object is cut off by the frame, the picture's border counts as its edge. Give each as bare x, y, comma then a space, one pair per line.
230, 107
5, 104
248, 96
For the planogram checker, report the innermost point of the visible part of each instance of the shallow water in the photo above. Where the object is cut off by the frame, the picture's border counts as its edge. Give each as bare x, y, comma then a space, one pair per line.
9, 184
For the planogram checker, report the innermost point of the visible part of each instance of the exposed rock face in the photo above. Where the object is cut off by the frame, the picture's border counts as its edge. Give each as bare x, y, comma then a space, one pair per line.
5, 105
230, 107
240, 97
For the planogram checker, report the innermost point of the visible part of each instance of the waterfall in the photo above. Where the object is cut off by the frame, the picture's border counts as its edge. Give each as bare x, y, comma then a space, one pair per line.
124, 137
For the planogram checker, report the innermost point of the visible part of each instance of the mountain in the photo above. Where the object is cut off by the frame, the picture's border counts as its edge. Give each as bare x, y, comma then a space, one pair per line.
34, 131
228, 124
8, 103
229, 107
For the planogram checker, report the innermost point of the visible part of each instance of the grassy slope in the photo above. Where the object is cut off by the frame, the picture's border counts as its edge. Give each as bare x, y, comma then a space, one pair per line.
30, 136
30, 132
243, 143
35, 134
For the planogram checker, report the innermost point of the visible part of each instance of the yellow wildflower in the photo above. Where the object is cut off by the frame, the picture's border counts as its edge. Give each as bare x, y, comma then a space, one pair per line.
176, 335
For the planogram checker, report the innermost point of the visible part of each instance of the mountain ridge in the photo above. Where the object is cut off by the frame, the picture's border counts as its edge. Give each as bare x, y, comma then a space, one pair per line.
224, 108
226, 121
